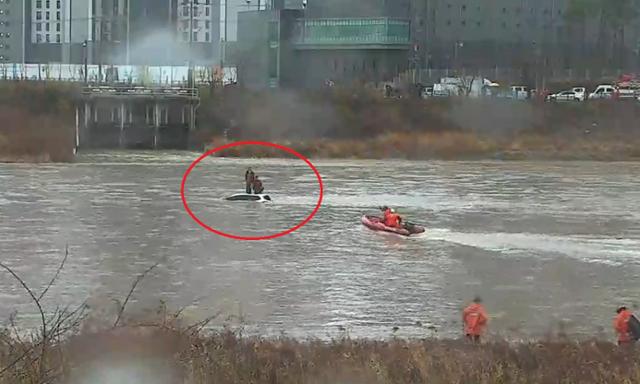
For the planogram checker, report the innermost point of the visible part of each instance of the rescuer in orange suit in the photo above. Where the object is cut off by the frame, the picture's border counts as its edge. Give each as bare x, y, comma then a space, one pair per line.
391, 218
621, 326
475, 320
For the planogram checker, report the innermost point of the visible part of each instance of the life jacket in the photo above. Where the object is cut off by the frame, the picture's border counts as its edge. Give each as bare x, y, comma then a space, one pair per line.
621, 325
475, 319
392, 220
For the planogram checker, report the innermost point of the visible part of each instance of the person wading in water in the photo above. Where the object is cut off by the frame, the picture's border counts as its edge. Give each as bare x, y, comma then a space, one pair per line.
626, 327
475, 320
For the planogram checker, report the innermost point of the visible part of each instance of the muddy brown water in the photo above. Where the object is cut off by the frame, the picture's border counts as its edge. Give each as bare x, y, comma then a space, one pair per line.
543, 243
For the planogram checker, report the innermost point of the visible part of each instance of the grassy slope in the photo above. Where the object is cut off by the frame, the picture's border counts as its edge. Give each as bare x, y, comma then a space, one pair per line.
37, 122
38, 118
360, 124
163, 354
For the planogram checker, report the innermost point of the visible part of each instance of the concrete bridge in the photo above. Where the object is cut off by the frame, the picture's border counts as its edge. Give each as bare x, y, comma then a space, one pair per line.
141, 117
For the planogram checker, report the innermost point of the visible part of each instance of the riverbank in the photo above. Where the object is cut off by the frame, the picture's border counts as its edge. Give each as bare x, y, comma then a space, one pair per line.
37, 123
451, 146
360, 124
42, 139
164, 353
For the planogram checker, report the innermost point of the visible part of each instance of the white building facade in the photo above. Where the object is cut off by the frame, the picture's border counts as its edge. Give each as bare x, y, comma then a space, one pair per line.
196, 17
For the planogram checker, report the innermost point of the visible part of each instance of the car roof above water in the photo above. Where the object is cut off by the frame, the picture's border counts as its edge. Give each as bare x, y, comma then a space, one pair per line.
247, 197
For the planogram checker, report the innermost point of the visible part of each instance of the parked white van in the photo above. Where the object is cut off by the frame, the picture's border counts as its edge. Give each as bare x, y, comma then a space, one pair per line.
604, 91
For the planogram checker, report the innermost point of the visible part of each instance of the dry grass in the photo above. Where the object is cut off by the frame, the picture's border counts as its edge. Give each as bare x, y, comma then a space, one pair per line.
355, 123
167, 354
37, 125
25, 137
37, 122
453, 146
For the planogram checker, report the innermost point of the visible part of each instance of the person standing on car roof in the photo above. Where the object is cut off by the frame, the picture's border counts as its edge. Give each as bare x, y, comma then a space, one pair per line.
257, 186
249, 177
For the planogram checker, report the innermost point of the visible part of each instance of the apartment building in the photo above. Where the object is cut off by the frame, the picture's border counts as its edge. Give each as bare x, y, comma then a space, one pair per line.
137, 32
12, 44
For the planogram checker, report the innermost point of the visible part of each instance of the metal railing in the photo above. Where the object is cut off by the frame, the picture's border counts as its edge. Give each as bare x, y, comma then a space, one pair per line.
513, 75
116, 74
138, 91
352, 31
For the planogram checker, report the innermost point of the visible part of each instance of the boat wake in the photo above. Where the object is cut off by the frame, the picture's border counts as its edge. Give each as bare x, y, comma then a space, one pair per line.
604, 250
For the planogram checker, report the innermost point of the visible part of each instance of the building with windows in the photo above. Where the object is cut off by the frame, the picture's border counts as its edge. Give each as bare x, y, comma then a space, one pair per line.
326, 42
46, 21
175, 32
12, 34
513, 33
195, 22
527, 35
449, 34
491, 33
137, 32
68, 31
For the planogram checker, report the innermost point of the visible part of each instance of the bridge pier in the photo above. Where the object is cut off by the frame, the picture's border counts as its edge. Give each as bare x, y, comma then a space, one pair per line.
84, 135
136, 117
77, 131
121, 138
192, 117
156, 124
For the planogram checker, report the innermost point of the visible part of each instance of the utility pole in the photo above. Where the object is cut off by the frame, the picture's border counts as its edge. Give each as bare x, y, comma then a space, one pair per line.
100, 47
85, 46
226, 16
128, 59
191, 29
70, 59
223, 44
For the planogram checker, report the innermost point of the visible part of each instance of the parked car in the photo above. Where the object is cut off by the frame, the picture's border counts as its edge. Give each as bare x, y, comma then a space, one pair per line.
604, 91
564, 96
427, 92
581, 92
575, 94
440, 91
626, 92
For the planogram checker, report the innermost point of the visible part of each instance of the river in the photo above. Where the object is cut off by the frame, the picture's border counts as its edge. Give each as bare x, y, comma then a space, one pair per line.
543, 243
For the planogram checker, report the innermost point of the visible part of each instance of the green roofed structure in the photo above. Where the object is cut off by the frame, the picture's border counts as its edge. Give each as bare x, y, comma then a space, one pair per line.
352, 33
285, 48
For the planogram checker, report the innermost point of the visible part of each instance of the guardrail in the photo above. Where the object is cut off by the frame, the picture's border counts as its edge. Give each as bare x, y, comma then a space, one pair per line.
513, 75
137, 91
116, 74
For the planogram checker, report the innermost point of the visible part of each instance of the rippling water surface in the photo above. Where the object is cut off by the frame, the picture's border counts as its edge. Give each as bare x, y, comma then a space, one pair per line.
541, 242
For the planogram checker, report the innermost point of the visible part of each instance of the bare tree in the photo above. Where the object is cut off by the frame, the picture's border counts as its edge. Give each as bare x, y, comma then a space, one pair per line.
133, 288
465, 85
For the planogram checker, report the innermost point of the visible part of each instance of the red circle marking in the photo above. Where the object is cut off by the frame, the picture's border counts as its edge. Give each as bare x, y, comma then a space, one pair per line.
264, 144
